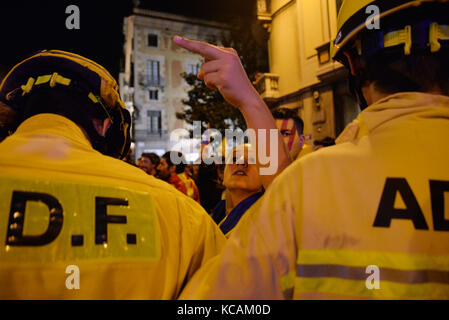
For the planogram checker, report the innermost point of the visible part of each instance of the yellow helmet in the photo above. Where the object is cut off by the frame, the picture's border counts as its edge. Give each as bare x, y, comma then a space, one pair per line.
355, 16
55, 68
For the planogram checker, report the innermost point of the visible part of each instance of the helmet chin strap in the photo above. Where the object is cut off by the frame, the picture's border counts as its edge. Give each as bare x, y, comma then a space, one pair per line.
97, 141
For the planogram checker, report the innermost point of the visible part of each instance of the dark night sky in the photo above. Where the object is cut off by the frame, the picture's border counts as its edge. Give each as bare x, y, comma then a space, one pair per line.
29, 26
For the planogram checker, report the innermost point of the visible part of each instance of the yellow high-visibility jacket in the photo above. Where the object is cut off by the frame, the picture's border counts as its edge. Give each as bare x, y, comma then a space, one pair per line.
368, 218
75, 224
306, 149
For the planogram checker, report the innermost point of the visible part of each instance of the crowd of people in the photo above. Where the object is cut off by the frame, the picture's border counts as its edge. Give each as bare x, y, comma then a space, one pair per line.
226, 188
163, 229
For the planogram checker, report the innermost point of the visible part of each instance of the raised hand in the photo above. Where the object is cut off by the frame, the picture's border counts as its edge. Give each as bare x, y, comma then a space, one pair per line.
222, 71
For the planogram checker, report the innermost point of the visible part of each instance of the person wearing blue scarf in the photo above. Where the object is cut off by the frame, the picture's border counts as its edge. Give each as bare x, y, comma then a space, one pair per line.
234, 216
243, 188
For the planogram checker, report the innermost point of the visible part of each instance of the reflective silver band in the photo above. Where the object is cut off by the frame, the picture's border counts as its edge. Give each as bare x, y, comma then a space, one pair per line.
359, 273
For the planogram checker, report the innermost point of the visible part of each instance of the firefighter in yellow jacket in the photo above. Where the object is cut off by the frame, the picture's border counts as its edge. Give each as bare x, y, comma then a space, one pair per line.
75, 221
369, 217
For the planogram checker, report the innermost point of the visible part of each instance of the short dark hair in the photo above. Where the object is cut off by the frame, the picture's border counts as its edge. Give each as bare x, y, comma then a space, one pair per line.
414, 73
286, 113
62, 101
154, 158
169, 155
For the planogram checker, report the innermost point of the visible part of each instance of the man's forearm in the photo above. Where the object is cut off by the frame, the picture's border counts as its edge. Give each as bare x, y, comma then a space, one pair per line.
259, 118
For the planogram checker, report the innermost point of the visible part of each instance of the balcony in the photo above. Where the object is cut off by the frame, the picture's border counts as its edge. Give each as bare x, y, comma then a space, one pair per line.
268, 85
264, 14
263, 11
147, 81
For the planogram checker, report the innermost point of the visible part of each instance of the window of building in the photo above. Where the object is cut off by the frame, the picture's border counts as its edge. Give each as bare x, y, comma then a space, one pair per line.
193, 69
154, 122
153, 94
152, 40
153, 69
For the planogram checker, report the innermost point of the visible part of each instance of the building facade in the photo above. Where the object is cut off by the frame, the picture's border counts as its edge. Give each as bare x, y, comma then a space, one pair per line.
302, 73
151, 85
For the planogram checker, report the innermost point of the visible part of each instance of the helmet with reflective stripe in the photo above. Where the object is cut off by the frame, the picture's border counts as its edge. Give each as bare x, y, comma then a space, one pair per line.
356, 16
54, 68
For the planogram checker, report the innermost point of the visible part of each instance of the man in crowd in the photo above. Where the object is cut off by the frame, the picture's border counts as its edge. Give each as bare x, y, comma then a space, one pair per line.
148, 162
192, 189
366, 218
291, 128
172, 169
171, 162
70, 209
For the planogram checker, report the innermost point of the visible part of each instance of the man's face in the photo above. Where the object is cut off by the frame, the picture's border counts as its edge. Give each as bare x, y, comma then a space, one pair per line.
242, 173
145, 164
292, 139
163, 169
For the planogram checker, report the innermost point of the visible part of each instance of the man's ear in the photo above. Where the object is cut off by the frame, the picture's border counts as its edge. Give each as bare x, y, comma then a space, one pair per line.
102, 126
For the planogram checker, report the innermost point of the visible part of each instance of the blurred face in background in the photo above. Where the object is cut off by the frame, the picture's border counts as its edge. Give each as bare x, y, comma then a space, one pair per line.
145, 164
293, 140
164, 171
241, 172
